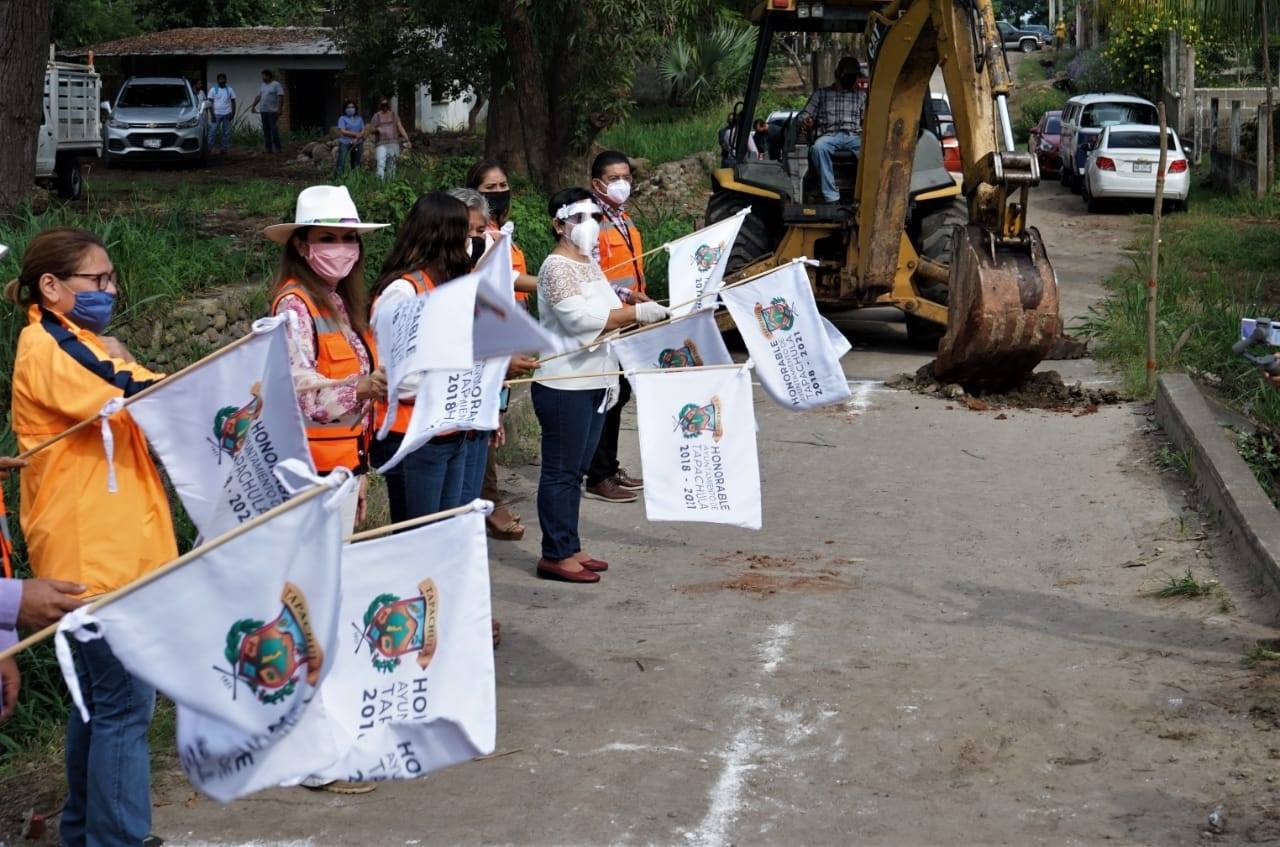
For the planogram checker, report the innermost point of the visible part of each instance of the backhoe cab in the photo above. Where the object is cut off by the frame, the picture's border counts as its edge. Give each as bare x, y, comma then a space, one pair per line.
903, 233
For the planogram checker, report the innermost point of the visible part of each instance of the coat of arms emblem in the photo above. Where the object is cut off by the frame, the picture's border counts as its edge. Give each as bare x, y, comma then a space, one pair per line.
694, 420
231, 425
706, 256
776, 317
685, 356
270, 657
394, 627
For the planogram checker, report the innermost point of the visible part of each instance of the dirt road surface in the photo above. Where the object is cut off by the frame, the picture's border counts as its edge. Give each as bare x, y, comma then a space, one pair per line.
944, 634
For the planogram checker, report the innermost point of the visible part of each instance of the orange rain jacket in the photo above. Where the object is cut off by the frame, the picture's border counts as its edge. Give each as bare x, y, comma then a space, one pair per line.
76, 529
620, 253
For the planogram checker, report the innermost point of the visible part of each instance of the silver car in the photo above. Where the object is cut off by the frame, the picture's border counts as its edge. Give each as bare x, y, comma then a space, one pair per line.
155, 118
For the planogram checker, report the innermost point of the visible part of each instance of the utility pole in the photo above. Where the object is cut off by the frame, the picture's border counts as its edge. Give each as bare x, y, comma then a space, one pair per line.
1269, 166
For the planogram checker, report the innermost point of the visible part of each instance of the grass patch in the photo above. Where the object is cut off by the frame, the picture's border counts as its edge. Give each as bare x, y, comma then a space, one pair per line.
1264, 651
1218, 264
1261, 452
1170, 459
1187, 586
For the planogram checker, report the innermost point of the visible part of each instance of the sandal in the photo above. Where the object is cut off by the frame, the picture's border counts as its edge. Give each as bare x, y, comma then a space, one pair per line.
511, 530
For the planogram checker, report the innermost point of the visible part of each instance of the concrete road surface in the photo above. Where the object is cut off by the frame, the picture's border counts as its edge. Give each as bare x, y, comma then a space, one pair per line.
944, 634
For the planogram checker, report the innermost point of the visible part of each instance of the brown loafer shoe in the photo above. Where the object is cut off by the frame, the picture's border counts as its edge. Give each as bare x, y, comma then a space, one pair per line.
627, 482
609, 492
594, 565
548, 569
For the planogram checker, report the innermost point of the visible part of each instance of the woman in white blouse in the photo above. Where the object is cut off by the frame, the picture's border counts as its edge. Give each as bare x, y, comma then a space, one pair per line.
575, 300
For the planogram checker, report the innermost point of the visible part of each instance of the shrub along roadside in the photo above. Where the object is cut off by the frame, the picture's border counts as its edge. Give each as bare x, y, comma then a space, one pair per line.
1217, 265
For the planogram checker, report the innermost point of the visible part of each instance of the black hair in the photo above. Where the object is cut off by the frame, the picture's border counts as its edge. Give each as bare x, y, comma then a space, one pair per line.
220, 76
605, 159
435, 234
565, 197
267, 72
346, 103
476, 173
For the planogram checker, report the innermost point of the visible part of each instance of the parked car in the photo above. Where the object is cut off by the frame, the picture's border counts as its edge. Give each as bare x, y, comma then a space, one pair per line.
1046, 136
1040, 30
69, 133
1025, 40
155, 118
1083, 119
1124, 164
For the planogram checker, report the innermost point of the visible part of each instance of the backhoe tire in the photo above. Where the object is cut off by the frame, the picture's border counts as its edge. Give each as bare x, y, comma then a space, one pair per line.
753, 240
937, 232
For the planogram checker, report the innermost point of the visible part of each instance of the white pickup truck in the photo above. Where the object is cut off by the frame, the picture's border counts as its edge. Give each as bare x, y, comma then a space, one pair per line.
72, 128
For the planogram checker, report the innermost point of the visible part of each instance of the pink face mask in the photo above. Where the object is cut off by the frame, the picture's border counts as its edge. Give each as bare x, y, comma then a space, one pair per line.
332, 262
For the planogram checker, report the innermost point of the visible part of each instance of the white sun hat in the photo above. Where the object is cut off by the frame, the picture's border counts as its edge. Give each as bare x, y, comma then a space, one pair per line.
321, 205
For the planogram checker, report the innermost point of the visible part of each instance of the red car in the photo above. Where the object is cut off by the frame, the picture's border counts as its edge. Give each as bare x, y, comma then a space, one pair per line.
1044, 141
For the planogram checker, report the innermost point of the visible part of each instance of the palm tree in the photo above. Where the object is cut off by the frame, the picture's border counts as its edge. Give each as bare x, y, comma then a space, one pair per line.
1247, 21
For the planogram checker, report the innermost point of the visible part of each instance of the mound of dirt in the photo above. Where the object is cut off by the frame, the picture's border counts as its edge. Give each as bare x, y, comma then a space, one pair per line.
1041, 390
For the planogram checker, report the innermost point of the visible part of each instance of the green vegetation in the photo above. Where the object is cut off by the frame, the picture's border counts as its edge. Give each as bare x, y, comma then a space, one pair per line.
1169, 459
1261, 452
1265, 651
1187, 586
709, 65
1217, 265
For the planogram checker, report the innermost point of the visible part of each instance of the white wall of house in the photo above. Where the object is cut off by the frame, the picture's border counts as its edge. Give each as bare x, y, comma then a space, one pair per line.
244, 74
449, 115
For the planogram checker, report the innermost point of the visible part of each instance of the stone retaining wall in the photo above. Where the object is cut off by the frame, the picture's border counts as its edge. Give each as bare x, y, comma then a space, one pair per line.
194, 327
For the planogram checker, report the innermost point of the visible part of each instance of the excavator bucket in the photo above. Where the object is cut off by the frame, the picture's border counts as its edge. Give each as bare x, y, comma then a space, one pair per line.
1002, 316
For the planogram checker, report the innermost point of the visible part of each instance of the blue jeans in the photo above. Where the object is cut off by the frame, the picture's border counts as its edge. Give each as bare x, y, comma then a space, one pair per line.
820, 156
477, 458
108, 759
355, 151
426, 481
271, 131
571, 424
221, 124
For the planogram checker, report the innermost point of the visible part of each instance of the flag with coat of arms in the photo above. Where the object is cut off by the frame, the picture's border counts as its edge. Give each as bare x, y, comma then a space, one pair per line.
689, 342
221, 429
412, 688
698, 445
697, 262
240, 637
796, 351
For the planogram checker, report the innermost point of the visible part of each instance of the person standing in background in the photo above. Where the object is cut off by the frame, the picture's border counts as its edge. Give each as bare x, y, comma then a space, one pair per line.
350, 139
619, 251
1059, 34
223, 99
267, 105
761, 139
388, 132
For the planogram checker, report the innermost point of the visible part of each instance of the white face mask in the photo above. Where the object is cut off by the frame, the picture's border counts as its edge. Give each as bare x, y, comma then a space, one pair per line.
618, 191
585, 236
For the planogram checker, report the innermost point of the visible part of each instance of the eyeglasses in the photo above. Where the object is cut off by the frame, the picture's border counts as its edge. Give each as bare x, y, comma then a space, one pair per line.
103, 281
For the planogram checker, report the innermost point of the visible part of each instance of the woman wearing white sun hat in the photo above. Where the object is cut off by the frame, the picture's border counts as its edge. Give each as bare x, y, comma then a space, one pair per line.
320, 288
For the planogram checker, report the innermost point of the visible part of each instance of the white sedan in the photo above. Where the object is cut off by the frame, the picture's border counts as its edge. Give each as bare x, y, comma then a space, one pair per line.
1123, 165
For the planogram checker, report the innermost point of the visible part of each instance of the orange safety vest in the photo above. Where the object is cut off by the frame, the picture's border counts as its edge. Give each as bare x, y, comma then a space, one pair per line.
621, 252
337, 444
422, 284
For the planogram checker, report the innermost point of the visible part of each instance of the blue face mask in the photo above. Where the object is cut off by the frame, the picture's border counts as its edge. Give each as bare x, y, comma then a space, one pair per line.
92, 310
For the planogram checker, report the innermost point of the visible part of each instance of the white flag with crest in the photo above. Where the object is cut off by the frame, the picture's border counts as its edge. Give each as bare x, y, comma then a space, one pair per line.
449, 400
412, 685
221, 429
791, 344
682, 343
697, 262
698, 446
240, 637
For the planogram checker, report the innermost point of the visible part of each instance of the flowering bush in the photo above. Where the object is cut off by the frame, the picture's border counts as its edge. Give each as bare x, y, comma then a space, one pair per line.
1133, 53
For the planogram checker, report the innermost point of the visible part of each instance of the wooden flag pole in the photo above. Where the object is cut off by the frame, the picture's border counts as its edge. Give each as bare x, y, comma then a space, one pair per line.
1152, 280
378, 532
624, 373
166, 569
146, 392
616, 334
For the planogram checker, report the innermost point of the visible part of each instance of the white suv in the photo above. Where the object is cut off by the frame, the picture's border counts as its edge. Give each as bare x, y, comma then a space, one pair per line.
1083, 119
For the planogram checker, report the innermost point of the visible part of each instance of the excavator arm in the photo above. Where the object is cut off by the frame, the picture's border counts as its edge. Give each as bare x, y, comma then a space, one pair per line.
1002, 315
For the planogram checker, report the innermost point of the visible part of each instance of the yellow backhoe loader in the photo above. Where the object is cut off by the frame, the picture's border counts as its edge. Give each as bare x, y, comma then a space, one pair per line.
904, 233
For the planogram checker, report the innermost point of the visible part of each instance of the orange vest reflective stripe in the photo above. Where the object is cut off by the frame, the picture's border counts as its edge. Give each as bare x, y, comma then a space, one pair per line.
6, 543
621, 252
422, 284
332, 445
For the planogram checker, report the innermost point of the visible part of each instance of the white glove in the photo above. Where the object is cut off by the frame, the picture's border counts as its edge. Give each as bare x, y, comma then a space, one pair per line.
650, 312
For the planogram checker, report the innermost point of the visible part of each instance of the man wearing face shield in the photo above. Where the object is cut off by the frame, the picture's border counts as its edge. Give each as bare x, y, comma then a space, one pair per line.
620, 253
833, 117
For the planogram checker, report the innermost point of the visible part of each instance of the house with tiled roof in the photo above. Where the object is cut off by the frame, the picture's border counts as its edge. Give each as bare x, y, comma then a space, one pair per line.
305, 60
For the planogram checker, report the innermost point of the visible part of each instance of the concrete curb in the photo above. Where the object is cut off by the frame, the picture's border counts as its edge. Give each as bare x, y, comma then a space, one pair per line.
1245, 513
